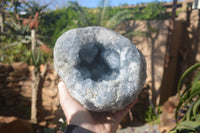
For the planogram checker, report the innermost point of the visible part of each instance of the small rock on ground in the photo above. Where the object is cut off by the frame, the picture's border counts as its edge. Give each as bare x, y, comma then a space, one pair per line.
147, 128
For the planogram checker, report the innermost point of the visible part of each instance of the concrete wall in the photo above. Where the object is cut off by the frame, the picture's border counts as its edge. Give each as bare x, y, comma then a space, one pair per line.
151, 39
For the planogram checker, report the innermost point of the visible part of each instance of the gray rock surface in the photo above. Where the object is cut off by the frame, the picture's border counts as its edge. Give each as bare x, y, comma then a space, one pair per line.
103, 70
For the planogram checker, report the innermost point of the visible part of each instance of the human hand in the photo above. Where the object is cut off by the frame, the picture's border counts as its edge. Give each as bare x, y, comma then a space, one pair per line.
98, 122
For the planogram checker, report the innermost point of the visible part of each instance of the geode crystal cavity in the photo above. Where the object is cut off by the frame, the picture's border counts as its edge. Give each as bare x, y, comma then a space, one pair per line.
103, 70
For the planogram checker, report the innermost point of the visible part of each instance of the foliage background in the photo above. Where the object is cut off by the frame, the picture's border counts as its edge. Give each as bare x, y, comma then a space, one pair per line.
53, 23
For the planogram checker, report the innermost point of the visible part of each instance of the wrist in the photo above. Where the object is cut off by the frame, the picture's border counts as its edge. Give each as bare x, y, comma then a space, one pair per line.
83, 122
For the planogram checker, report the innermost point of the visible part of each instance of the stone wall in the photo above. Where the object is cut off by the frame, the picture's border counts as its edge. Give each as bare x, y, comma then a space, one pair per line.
15, 90
49, 89
10, 78
15, 94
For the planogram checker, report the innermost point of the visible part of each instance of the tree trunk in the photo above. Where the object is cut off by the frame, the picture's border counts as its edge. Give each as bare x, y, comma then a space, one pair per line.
153, 36
35, 88
33, 41
36, 81
2, 22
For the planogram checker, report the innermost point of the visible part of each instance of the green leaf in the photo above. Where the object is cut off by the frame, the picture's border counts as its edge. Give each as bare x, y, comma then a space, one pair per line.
196, 105
190, 125
186, 99
195, 87
186, 90
189, 70
180, 105
173, 131
118, 18
198, 117
197, 77
188, 113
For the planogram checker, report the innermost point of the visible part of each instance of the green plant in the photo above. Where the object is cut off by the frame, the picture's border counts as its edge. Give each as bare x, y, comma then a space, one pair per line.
48, 130
187, 113
56, 22
152, 116
38, 58
153, 11
15, 52
53, 23
102, 16
60, 127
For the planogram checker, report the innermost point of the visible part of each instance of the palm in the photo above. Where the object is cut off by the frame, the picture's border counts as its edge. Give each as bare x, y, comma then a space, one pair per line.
103, 122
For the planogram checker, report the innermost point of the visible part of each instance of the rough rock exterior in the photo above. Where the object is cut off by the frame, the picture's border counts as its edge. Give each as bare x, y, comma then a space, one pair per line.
103, 70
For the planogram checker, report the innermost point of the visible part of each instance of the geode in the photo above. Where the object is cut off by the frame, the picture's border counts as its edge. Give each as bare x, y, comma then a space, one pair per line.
101, 69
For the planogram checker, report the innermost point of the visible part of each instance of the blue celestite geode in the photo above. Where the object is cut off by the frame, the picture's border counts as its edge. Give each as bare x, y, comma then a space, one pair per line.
103, 70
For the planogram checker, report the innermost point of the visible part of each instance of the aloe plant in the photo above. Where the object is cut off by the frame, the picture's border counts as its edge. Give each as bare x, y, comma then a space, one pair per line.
37, 59
102, 20
187, 113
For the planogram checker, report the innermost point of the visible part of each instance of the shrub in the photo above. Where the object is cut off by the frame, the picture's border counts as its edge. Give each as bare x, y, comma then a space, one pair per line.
188, 110
15, 53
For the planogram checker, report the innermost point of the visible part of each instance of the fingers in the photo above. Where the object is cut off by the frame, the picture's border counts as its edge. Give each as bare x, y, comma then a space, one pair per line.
118, 116
63, 97
69, 105
63, 93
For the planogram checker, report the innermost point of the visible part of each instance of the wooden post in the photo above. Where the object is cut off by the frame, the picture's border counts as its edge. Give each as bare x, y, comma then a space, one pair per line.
170, 65
170, 34
36, 81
